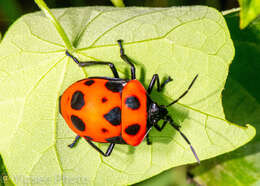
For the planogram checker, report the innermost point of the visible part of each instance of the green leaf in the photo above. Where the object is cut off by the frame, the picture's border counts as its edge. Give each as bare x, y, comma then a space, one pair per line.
241, 100
118, 3
34, 72
54, 21
4, 178
250, 9
2, 172
176, 176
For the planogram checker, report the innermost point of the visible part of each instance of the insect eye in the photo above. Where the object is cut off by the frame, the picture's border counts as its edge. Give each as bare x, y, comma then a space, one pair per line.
154, 108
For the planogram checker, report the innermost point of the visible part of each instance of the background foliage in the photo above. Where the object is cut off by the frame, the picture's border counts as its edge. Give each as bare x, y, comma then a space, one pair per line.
240, 98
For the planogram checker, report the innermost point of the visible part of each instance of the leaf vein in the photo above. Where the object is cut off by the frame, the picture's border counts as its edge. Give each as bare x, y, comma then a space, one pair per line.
125, 21
55, 121
41, 39
205, 128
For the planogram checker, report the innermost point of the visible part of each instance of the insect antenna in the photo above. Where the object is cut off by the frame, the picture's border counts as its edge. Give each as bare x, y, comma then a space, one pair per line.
185, 138
175, 101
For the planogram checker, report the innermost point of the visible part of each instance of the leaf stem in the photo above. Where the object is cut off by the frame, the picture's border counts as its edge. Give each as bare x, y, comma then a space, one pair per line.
42, 5
118, 3
233, 10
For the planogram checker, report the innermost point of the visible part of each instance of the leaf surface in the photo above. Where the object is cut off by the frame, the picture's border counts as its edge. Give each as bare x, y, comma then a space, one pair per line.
241, 101
178, 42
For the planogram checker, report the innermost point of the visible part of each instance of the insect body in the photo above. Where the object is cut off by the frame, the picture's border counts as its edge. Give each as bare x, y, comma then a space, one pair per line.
114, 110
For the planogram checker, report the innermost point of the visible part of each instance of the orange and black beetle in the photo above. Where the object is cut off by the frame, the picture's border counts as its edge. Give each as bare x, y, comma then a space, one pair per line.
114, 110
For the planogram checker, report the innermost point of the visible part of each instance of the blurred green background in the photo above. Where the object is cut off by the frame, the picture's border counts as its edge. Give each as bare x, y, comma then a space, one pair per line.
10, 10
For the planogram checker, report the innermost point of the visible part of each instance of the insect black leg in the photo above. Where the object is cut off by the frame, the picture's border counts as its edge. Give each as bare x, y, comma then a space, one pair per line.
148, 141
183, 94
109, 149
155, 78
91, 63
160, 128
74, 142
126, 59
169, 119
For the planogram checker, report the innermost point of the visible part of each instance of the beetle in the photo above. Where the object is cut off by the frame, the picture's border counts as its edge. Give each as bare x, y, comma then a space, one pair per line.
115, 110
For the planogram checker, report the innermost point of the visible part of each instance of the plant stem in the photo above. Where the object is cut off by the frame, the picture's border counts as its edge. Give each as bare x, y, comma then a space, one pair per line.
118, 3
42, 5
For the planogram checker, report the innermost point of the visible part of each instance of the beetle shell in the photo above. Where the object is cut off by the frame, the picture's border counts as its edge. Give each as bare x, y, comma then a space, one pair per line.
108, 110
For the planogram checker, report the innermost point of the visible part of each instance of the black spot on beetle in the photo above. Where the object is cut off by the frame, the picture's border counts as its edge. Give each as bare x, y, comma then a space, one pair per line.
132, 102
89, 82
116, 139
114, 86
104, 100
132, 129
114, 116
77, 100
104, 130
78, 123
